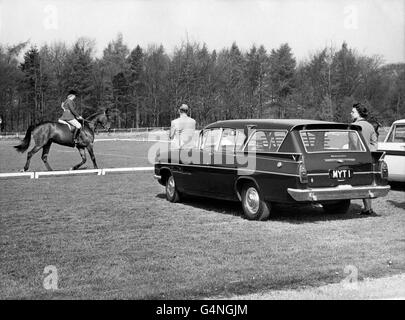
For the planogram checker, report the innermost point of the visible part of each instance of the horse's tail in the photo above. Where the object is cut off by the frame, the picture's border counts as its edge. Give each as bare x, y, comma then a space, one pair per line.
23, 146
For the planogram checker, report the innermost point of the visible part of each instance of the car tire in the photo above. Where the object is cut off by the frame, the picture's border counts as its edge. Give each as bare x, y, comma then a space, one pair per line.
172, 194
336, 207
254, 207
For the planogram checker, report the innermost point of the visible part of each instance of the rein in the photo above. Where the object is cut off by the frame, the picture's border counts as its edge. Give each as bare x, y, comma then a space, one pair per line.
93, 121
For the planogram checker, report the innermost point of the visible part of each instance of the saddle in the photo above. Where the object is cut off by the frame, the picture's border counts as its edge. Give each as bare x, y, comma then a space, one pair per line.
71, 128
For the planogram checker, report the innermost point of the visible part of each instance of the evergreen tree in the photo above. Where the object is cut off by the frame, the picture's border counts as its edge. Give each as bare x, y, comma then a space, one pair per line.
78, 75
232, 83
10, 78
318, 72
156, 75
282, 76
113, 62
121, 96
345, 79
136, 80
34, 84
256, 70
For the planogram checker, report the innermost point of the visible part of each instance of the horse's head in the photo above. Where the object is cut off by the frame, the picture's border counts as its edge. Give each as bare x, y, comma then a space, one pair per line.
104, 119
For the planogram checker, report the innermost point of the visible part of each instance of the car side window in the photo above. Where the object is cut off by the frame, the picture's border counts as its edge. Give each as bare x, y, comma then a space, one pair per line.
275, 139
231, 140
266, 141
240, 139
210, 139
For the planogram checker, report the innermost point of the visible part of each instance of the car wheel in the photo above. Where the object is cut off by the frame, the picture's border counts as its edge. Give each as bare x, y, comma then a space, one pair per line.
171, 190
254, 207
336, 207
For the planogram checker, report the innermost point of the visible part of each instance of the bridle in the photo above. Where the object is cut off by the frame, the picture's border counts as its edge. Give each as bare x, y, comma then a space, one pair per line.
97, 121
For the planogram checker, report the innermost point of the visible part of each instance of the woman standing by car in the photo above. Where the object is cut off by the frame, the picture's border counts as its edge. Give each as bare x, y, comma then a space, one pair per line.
359, 115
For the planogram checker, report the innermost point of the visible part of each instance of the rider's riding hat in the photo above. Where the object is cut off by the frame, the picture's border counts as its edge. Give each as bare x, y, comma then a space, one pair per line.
72, 92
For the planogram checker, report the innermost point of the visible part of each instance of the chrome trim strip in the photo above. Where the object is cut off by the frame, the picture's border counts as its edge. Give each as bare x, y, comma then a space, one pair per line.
339, 160
253, 154
234, 169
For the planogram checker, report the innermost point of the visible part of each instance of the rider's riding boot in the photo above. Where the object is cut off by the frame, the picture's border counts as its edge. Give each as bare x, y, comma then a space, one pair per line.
76, 135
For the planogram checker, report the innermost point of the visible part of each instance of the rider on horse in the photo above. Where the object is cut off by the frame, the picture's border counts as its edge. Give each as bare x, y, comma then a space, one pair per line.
70, 115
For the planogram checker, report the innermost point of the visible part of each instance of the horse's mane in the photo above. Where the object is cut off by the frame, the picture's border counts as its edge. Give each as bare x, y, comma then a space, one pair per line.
94, 115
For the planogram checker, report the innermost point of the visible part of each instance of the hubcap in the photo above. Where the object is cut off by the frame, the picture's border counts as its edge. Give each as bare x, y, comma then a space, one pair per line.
252, 200
171, 187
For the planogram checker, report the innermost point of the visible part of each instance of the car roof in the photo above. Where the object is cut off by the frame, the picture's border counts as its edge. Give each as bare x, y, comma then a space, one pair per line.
283, 124
401, 121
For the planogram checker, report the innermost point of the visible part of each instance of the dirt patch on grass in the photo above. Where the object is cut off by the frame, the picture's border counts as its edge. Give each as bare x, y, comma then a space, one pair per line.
392, 288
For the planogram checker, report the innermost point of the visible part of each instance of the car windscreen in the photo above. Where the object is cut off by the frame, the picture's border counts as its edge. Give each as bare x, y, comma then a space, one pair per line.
331, 140
398, 134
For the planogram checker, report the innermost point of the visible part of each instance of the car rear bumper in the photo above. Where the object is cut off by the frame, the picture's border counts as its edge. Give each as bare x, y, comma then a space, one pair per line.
338, 193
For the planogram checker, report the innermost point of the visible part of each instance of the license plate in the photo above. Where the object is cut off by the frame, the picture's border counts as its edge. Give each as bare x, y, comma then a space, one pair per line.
341, 174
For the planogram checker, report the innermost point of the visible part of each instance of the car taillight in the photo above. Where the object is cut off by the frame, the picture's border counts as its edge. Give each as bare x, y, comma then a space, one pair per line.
383, 169
302, 171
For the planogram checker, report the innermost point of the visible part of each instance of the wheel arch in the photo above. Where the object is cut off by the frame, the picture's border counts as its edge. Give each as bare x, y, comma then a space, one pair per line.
165, 173
241, 181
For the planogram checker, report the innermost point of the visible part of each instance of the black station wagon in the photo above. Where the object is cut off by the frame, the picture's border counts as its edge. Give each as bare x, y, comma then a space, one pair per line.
262, 162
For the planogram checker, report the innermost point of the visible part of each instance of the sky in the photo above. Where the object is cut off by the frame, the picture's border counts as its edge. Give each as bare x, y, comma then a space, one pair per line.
371, 27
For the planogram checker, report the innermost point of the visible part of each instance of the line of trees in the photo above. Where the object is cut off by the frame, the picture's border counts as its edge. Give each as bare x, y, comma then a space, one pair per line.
145, 86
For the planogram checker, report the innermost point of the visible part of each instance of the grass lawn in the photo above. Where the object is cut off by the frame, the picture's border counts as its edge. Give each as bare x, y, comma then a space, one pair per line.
116, 237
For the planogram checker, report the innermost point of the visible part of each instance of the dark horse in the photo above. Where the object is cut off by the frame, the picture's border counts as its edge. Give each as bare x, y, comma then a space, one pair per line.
46, 133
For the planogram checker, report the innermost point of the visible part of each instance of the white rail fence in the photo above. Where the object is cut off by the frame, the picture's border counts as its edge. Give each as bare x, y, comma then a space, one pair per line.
134, 132
98, 172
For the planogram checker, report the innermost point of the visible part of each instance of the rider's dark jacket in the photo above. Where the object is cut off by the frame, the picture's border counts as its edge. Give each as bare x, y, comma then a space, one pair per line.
69, 112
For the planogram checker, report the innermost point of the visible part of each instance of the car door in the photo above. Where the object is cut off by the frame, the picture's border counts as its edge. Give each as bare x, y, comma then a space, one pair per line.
224, 164
201, 166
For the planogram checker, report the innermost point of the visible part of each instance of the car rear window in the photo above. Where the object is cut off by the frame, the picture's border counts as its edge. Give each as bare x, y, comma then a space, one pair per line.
331, 140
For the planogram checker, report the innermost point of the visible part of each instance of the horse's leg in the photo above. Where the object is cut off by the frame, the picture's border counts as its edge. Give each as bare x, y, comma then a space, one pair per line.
83, 155
33, 151
45, 151
91, 153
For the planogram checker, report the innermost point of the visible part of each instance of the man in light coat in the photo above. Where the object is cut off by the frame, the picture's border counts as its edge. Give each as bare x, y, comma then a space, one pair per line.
182, 129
